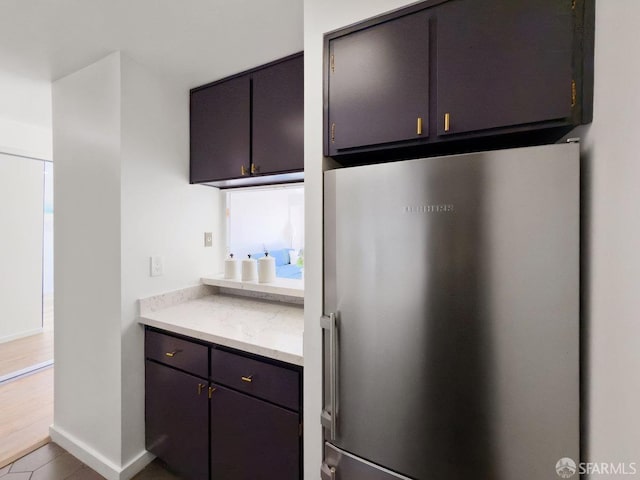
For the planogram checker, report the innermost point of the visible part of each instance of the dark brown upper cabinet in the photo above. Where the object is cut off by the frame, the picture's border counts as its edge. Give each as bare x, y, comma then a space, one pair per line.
278, 118
249, 127
457, 75
220, 130
379, 84
503, 63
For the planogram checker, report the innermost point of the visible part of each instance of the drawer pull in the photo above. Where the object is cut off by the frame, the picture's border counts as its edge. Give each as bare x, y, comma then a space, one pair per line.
172, 354
248, 379
200, 388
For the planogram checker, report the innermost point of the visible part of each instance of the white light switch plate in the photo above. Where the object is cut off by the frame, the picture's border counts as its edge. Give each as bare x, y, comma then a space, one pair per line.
157, 266
208, 239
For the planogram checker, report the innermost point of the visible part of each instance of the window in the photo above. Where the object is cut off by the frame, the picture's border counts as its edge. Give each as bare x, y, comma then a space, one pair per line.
268, 219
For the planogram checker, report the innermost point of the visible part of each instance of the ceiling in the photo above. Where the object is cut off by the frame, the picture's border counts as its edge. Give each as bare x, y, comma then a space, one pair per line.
193, 41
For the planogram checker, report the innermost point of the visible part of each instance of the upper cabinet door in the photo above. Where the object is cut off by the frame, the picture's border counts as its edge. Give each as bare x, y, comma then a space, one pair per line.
378, 84
503, 63
278, 118
220, 130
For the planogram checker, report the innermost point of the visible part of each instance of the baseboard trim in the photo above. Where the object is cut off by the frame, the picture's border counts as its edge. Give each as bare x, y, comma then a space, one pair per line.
17, 336
97, 461
136, 465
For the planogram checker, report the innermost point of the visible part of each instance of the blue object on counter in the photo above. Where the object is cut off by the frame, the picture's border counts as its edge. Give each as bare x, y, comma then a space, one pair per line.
289, 271
284, 269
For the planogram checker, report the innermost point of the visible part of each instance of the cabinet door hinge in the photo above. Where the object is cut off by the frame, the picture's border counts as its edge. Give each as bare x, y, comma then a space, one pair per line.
573, 93
333, 63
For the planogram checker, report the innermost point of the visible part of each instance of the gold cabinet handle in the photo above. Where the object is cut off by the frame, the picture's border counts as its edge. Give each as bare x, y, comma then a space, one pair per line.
419, 126
243, 171
447, 118
254, 168
211, 390
333, 133
200, 388
248, 379
172, 354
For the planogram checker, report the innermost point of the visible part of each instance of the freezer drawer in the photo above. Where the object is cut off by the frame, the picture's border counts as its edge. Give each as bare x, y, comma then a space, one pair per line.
340, 465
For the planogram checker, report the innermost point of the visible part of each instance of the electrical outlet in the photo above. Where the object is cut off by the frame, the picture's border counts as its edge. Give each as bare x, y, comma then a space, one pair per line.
157, 266
208, 239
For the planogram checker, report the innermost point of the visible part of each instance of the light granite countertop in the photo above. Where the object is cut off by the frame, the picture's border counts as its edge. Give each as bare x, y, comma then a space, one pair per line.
281, 286
269, 328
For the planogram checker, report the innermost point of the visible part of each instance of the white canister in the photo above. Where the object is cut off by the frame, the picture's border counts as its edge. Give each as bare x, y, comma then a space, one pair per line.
231, 268
266, 269
249, 270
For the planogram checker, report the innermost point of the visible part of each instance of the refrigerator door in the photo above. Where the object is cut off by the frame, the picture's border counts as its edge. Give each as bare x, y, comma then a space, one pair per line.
455, 287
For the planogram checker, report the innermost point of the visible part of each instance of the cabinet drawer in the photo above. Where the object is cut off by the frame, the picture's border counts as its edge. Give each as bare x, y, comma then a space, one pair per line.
183, 354
275, 384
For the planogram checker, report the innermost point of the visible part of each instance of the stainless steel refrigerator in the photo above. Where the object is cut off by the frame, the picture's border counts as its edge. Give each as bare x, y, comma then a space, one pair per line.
451, 327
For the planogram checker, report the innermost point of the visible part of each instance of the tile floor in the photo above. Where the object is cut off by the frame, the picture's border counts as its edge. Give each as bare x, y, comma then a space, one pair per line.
52, 462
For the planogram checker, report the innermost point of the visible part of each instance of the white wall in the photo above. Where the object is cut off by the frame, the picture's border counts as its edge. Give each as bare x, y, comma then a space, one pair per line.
121, 194
25, 130
612, 191
25, 116
21, 222
87, 342
161, 215
320, 16
612, 229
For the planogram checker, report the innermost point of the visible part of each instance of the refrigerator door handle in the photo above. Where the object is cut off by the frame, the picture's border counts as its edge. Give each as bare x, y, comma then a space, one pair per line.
329, 416
327, 472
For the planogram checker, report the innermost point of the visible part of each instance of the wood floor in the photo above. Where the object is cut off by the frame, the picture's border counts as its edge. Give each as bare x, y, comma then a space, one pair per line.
17, 355
25, 415
26, 402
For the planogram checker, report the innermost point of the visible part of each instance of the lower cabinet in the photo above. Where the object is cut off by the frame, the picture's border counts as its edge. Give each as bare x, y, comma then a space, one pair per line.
252, 439
221, 414
176, 415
